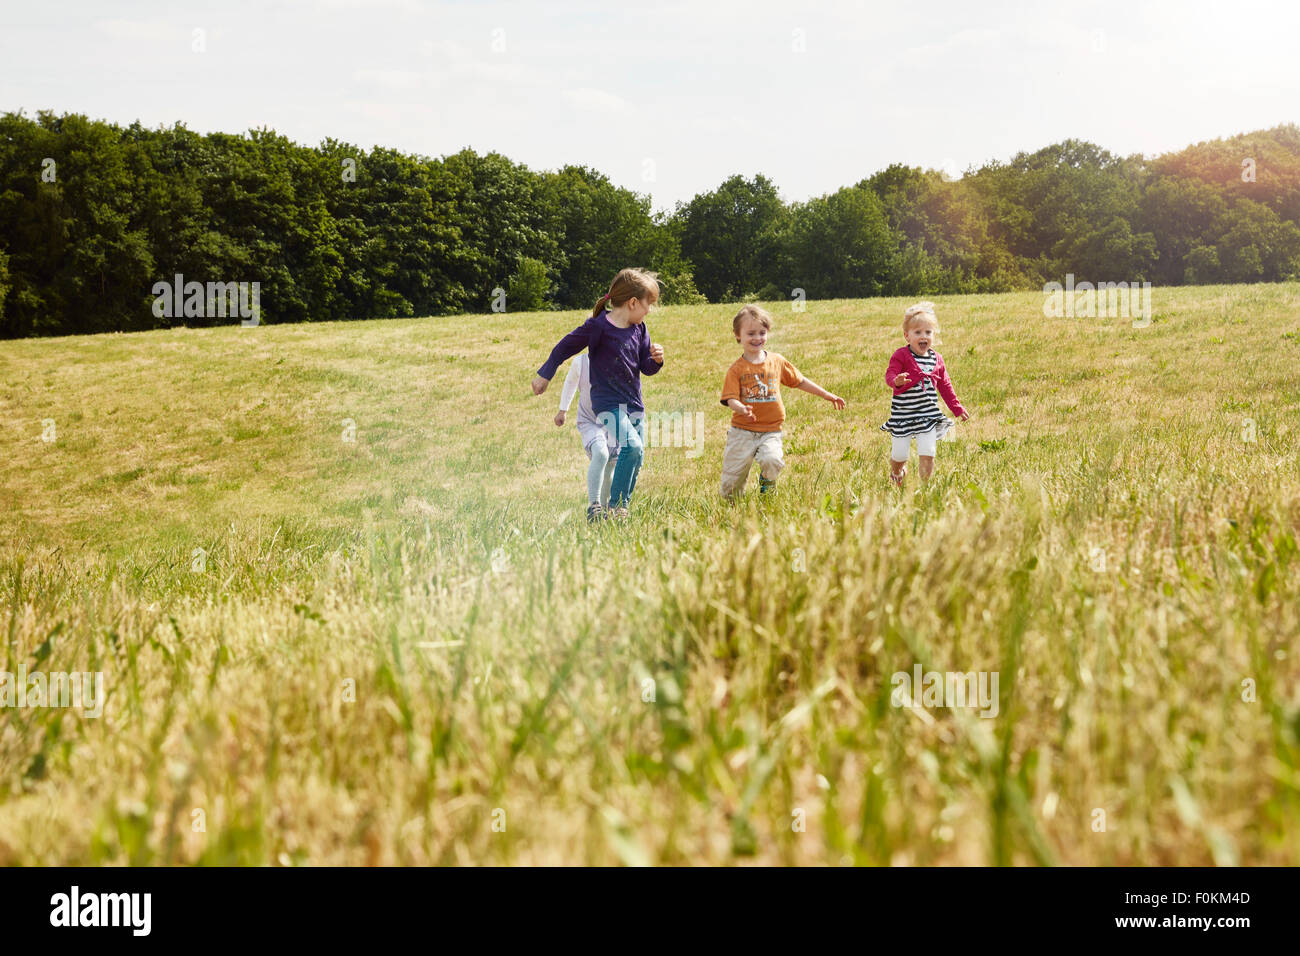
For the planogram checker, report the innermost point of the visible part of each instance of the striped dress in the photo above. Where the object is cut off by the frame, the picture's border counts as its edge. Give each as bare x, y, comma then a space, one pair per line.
917, 409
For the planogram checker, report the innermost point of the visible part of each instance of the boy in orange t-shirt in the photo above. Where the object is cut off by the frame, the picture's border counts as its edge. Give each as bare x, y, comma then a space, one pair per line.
752, 390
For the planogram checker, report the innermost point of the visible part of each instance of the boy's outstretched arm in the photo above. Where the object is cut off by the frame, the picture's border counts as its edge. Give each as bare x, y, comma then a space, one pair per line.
740, 408
812, 388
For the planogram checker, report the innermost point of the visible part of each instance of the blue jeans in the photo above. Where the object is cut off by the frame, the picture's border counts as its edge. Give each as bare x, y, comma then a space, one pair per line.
628, 431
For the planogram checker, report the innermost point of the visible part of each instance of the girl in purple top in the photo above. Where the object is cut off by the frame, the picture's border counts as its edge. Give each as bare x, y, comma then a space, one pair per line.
618, 346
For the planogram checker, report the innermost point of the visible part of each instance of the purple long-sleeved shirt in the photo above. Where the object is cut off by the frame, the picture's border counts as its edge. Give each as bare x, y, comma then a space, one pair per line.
617, 356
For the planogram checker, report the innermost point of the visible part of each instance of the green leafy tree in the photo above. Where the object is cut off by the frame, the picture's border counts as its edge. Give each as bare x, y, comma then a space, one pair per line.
528, 287
1111, 253
1255, 245
1261, 166
400, 232
944, 245
1045, 206
840, 246
677, 287
4, 283
1201, 265
731, 236
92, 215
1180, 214
599, 229
502, 216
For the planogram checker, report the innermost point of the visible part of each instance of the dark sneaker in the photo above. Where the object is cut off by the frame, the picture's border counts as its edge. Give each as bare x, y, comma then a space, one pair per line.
766, 485
596, 513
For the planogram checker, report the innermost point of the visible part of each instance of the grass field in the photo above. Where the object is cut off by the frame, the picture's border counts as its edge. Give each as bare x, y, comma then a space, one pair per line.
411, 648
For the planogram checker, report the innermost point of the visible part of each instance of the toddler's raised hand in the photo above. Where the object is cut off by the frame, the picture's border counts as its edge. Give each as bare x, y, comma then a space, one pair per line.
901, 379
657, 352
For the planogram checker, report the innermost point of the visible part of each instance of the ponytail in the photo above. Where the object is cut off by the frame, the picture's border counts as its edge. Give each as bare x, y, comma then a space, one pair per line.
629, 283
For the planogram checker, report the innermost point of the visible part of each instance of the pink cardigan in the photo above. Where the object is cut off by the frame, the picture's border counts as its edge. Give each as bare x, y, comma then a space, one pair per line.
905, 361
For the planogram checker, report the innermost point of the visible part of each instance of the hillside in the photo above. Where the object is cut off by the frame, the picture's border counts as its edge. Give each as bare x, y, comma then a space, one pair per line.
337, 580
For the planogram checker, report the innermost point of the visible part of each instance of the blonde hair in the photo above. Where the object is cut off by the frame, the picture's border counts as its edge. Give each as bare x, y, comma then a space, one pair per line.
761, 315
629, 284
918, 312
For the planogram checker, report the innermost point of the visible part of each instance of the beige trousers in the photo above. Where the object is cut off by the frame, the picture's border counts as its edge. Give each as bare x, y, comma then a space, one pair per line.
743, 448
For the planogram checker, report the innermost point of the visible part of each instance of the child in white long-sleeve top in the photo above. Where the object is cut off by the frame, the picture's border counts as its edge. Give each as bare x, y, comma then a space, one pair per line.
600, 446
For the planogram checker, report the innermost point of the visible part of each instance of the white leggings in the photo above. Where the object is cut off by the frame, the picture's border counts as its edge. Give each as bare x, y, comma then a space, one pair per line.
926, 442
600, 473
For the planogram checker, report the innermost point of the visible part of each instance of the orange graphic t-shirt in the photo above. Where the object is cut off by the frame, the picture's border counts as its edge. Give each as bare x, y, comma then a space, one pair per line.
758, 385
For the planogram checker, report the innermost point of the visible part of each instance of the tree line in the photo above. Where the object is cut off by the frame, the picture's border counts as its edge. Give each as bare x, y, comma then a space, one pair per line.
94, 215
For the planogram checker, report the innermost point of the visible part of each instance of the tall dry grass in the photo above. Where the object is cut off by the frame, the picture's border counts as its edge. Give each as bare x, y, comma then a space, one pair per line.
412, 649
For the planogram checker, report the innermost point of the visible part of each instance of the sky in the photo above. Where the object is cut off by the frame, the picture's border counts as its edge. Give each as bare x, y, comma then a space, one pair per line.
669, 99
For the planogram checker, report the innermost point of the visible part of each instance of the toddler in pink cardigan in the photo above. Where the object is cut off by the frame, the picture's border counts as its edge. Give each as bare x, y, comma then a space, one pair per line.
917, 375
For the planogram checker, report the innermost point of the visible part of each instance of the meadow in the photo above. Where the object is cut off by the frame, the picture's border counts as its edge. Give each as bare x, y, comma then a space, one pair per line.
348, 609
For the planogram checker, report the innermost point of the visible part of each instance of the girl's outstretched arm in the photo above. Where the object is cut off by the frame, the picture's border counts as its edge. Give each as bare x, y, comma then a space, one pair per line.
570, 388
944, 386
570, 345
